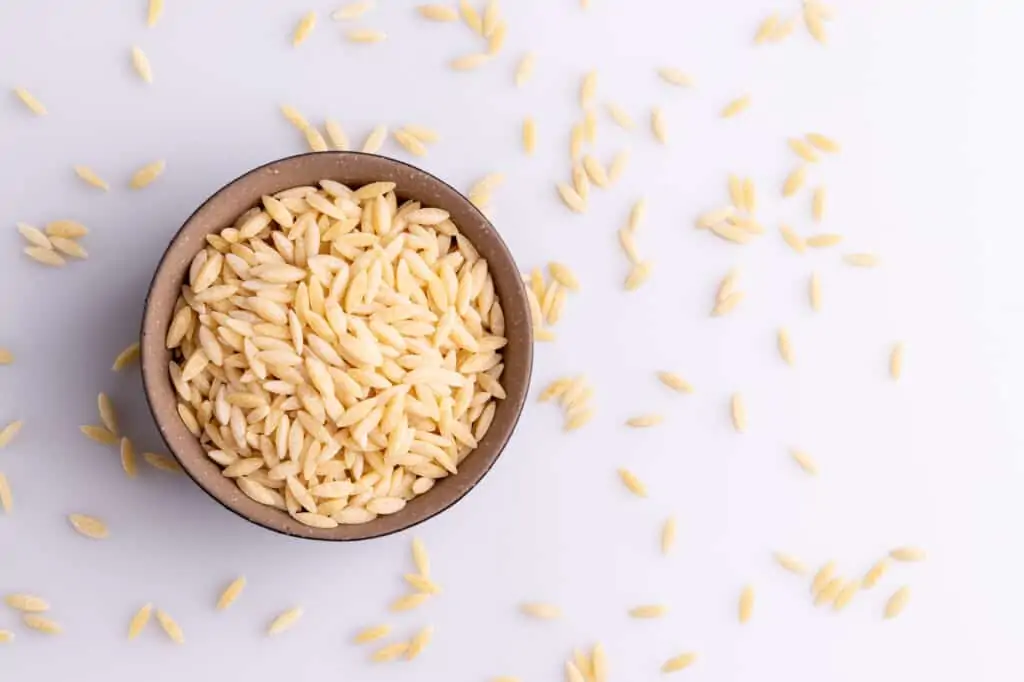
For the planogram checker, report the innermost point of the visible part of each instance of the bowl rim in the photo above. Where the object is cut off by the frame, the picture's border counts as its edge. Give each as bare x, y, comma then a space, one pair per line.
147, 355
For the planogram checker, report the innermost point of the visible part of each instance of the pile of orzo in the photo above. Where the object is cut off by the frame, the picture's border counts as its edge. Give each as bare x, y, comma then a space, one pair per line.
336, 353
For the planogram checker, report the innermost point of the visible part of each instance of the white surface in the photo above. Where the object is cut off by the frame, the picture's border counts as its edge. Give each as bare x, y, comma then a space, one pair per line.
919, 93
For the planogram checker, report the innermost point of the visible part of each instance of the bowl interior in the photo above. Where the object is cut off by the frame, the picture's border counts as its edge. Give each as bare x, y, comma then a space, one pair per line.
353, 169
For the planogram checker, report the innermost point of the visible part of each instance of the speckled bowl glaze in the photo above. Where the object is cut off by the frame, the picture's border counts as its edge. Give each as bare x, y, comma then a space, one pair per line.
353, 169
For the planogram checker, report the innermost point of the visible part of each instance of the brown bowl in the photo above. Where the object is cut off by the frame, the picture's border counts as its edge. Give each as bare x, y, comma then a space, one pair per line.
353, 169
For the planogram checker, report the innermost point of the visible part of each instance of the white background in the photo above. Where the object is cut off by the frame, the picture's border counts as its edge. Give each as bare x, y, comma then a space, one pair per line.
924, 97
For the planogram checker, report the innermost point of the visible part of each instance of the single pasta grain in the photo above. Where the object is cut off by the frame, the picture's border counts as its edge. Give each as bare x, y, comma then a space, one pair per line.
897, 602
140, 62
620, 116
638, 275
827, 594
529, 135
818, 204
588, 89
390, 652
162, 462
128, 458
126, 357
294, 117
677, 663
6, 496
469, 62
785, 346
795, 241
524, 71
738, 412
90, 177
315, 140
908, 554
365, 36
139, 621
89, 526
156, 9
471, 17
231, 593
822, 577
896, 362
746, 604
571, 198
618, 165
170, 627
875, 573
372, 633
34, 236
30, 101
375, 140
803, 149
285, 621
9, 432
668, 535
674, 76
41, 624
794, 181
727, 304
861, 260
648, 611
564, 275
99, 434
815, 22
823, 143
645, 421
846, 595
45, 256
147, 174
410, 143
814, 292
595, 171
632, 483
736, 106
438, 12
804, 461
303, 29
108, 415
541, 610
791, 564
419, 642
336, 134
352, 10
766, 29
410, 601
420, 557
658, 126
675, 382
823, 241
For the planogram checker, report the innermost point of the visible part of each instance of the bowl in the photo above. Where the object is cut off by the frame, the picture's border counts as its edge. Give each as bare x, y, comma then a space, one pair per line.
353, 169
